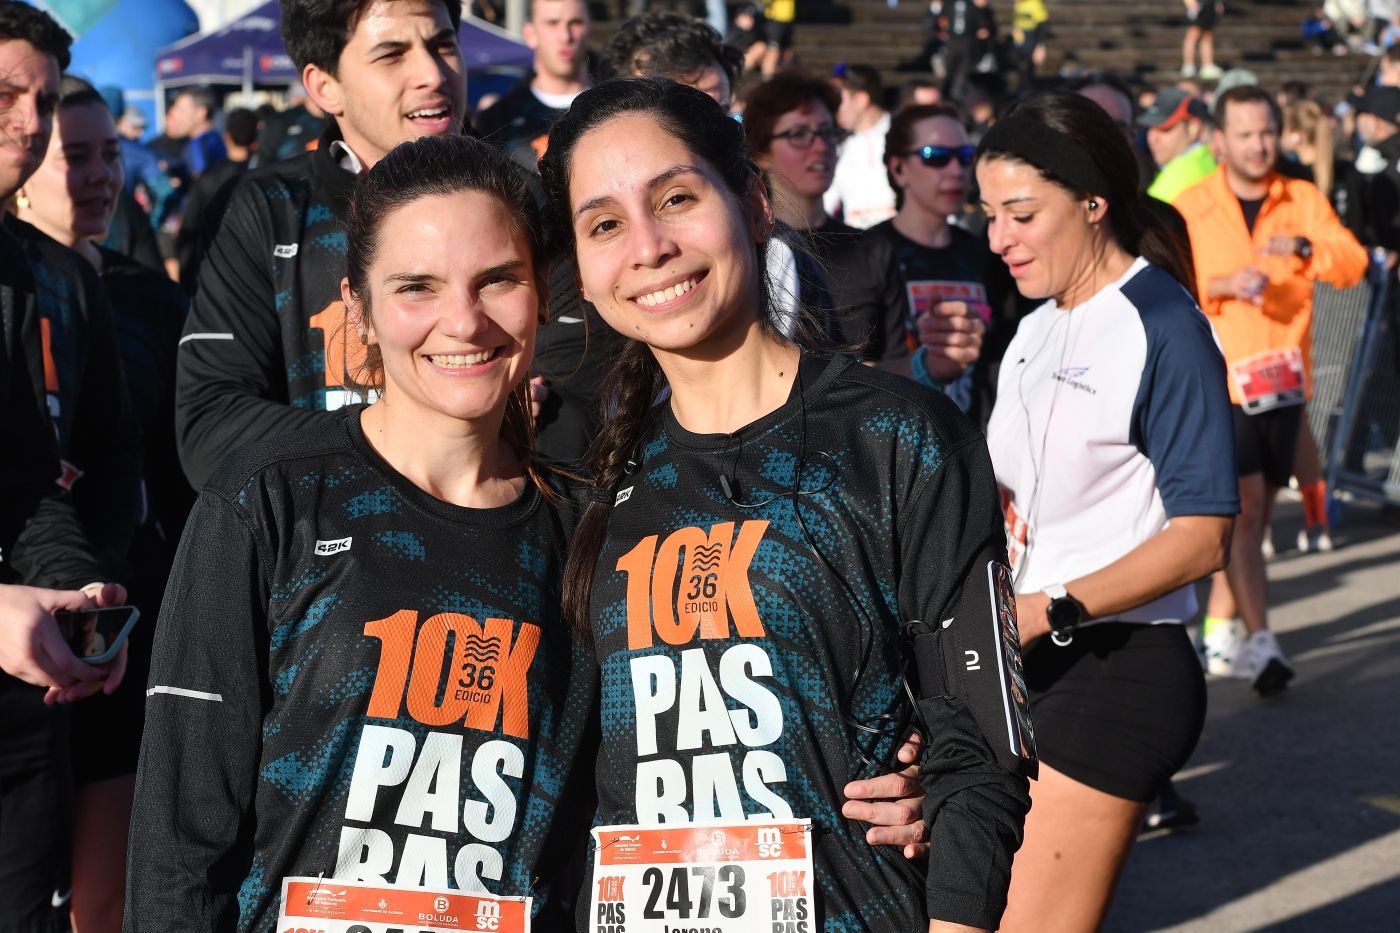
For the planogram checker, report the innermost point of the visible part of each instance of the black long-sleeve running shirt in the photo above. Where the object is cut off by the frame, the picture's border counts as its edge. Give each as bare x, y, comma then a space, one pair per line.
354, 678
71, 341
745, 635
42, 541
264, 351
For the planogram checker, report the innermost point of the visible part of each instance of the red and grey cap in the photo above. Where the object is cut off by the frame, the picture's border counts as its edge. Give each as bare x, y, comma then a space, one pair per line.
1171, 107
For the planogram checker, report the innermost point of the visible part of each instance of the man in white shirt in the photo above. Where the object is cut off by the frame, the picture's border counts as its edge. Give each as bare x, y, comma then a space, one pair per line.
859, 192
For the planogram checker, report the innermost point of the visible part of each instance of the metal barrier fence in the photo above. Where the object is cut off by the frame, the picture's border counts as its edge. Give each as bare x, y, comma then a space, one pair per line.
1355, 411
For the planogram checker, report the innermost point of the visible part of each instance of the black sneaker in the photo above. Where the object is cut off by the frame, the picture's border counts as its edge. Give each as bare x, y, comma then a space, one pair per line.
1273, 679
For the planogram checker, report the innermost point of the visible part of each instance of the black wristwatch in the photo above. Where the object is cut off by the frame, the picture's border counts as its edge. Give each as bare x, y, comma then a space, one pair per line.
1065, 613
1302, 248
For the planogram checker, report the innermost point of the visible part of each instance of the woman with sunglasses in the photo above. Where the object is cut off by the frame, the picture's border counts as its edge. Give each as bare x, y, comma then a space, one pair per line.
760, 544
921, 291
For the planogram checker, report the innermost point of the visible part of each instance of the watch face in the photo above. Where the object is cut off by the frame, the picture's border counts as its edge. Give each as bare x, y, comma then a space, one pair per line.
1065, 613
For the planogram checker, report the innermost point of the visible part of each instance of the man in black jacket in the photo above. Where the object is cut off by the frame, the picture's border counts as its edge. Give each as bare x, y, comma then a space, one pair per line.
42, 541
265, 350
1370, 201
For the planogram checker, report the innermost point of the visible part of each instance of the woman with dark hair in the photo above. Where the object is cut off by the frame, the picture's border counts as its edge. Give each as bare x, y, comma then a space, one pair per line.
1113, 448
779, 557
792, 135
921, 291
360, 671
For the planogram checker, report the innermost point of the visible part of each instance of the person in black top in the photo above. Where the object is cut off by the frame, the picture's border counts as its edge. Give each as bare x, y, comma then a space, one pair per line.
1370, 188
756, 544
792, 136
202, 204
60, 391
71, 199
970, 29
380, 650
519, 122
923, 291
288, 133
265, 349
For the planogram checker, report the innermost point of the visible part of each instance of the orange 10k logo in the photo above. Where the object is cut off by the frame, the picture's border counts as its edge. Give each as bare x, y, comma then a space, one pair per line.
487, 676
674, 598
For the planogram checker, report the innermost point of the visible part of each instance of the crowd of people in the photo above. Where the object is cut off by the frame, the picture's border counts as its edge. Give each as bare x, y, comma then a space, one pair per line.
681, 438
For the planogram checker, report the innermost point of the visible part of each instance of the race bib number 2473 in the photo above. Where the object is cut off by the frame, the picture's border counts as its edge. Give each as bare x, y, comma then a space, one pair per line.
730, 878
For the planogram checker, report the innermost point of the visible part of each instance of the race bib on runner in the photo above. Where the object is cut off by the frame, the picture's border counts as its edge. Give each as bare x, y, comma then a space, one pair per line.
1269, 380
925, 294
330, 905
720, 877
1017, 529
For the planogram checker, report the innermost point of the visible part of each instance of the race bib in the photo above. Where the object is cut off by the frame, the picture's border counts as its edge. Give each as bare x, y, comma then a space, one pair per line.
1017, 530
720, 877
1269, 380
925, 294
330, 905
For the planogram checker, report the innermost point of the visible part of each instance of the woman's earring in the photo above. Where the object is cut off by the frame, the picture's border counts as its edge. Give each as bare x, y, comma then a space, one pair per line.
1093, 205
22, 200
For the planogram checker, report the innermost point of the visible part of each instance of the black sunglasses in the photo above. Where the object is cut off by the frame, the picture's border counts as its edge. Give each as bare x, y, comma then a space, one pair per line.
940, 156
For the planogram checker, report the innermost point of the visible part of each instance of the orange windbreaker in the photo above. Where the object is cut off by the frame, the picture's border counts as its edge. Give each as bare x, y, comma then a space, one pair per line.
1222, 244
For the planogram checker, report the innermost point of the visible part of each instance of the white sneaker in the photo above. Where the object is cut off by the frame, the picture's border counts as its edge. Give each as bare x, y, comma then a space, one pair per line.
1210, 72
1318, 541
1220, 645
1262, 661
1188, 71
1266, 547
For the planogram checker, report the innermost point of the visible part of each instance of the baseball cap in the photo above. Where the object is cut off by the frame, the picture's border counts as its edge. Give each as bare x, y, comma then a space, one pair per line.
1235, 77
1171, 107
1383, 102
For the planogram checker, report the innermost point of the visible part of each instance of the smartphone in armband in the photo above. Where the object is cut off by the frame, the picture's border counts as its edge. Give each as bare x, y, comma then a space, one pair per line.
96, 635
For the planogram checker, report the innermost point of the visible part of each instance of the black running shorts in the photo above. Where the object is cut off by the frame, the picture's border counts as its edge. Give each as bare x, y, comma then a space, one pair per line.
778, 34
1120, 708
1266, 442
1204, 17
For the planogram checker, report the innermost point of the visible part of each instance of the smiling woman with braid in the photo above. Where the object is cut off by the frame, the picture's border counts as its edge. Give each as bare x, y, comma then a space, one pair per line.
778, 558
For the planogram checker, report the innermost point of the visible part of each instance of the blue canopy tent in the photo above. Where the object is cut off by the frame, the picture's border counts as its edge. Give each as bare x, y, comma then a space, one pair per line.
118, 40
248, 52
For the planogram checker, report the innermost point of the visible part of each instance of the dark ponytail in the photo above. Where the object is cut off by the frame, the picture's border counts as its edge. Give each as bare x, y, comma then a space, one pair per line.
635, 381
1088, 141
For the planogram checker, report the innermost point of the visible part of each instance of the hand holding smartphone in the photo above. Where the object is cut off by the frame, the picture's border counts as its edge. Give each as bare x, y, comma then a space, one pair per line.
96, 635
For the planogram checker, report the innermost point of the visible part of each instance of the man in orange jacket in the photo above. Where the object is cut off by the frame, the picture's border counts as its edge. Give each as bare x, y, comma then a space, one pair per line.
1260, 242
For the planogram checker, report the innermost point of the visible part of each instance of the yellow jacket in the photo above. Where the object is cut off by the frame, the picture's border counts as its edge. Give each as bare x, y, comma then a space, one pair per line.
1221, 244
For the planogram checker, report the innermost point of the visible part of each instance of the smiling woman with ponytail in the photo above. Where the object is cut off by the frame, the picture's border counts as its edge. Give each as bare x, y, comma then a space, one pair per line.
772, 531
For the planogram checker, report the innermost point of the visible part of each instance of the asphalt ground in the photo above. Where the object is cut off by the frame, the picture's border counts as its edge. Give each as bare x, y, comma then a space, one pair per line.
1299, 795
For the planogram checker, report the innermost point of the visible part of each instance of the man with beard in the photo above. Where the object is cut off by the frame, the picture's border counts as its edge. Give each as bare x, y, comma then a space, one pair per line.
1260, 242
56, 340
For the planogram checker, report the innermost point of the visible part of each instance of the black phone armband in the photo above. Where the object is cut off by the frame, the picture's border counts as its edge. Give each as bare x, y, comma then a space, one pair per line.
974, 656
